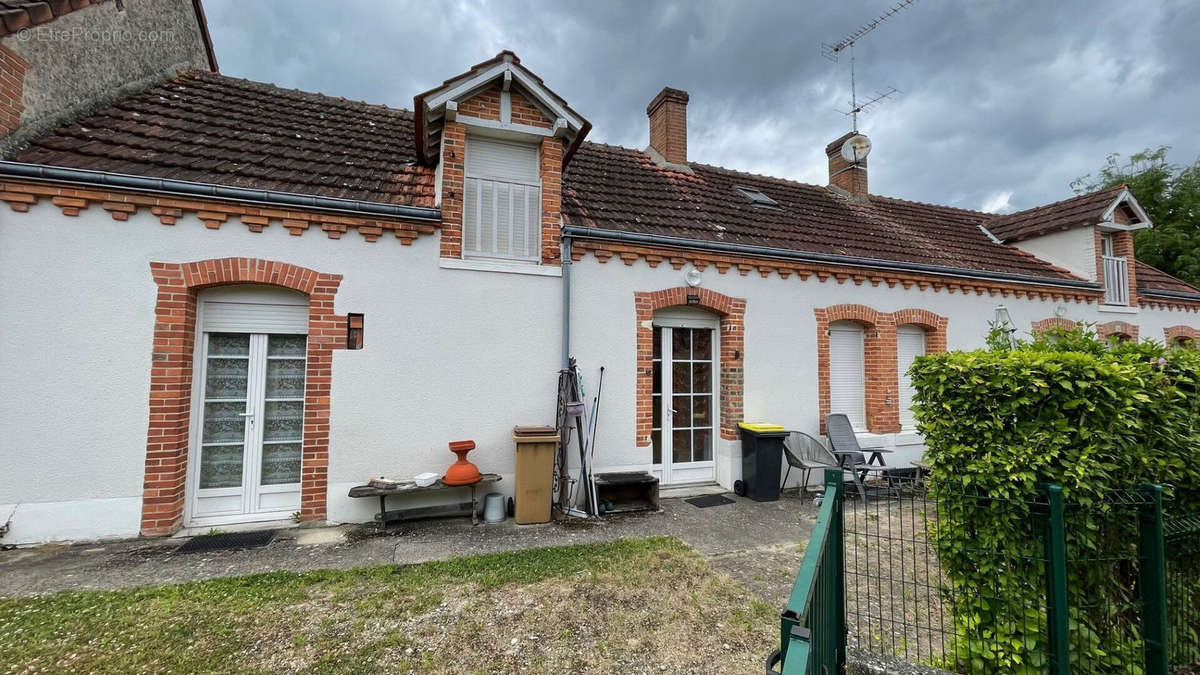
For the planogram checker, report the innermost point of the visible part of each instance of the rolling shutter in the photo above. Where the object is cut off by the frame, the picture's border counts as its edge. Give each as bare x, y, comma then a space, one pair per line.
847, 379
253, 309
502, 161
910, 343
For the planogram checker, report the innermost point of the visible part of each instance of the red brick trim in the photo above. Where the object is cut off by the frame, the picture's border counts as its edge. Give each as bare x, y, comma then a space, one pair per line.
655, 256
1181, 334
550, 159
167, 444
1118, 329
12, 87
882, 370
1052, 322
732, 314
934, 325
121, 204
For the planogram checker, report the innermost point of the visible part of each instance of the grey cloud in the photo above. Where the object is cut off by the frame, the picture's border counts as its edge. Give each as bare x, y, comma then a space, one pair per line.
999, 97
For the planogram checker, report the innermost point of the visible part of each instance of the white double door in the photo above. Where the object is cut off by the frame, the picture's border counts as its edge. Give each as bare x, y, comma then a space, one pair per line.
248, 420
685, 421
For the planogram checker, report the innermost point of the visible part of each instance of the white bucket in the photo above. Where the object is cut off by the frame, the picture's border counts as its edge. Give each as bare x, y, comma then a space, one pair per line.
493, 508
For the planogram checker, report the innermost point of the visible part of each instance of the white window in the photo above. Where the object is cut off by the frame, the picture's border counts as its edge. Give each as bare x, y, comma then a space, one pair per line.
910, 343
502, 199
847, 379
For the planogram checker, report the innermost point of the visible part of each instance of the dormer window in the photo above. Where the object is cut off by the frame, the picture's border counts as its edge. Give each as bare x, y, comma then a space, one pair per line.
502, 198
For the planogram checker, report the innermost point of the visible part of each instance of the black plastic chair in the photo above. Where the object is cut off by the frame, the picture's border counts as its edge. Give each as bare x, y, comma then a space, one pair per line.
844, 444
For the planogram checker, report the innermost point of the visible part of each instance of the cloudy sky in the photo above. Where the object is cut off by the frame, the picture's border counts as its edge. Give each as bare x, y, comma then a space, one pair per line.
1003, 103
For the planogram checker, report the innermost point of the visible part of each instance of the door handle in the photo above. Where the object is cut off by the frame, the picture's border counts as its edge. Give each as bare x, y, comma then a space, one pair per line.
672, 411
249, 417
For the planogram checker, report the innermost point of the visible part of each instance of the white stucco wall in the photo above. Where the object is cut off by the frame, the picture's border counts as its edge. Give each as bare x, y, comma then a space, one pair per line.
449, 354
780, 376
1073, 250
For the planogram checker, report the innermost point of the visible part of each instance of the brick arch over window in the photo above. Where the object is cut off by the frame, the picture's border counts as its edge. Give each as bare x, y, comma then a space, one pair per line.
1176, 334
934, 326
879, 362
1118, 329
732, 314
1053, 322
165, 485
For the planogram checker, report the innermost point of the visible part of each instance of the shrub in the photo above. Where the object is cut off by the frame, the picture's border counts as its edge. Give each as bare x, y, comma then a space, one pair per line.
1097, 419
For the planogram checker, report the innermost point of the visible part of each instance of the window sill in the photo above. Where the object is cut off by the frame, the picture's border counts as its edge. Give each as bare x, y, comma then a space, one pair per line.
533, 269
1117, 309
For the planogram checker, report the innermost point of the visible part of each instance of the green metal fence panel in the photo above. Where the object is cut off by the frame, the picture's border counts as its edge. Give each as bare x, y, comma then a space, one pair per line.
812, 634
1181, 542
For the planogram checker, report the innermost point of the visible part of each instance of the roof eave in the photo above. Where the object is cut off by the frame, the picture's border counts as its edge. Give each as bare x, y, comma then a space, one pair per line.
580, 232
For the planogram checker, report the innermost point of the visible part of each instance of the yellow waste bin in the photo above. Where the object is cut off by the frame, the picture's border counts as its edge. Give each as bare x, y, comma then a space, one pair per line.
535, 473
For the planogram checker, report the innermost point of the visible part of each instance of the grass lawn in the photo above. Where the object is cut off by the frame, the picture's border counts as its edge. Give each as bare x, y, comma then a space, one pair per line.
632, 605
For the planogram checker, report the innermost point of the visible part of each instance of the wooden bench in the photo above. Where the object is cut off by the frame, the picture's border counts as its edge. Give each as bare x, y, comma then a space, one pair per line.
413, 513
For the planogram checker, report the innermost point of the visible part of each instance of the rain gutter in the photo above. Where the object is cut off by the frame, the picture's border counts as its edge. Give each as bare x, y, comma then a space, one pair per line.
182, 188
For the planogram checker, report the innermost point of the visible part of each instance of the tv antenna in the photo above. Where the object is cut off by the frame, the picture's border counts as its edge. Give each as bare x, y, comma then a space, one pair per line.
834, 51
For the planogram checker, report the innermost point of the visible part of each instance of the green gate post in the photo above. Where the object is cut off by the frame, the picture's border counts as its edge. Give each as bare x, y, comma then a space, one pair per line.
1152, 575
837, 553
1056, 584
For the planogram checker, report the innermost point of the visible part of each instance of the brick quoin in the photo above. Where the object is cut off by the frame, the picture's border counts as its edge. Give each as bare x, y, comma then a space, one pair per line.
731, 313
12, 87
165, 485
880, 362
1119, 329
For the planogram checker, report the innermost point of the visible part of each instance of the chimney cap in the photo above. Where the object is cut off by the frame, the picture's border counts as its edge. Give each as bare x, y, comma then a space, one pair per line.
667, 94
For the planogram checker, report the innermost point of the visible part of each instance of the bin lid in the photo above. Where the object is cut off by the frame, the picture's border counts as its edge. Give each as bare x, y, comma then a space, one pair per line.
761, 427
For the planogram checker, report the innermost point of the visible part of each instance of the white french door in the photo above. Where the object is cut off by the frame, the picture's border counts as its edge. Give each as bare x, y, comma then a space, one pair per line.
251, 427
685, 424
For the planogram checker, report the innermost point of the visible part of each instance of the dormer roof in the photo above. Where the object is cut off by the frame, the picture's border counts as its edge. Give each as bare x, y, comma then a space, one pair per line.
1094, 208
439, 104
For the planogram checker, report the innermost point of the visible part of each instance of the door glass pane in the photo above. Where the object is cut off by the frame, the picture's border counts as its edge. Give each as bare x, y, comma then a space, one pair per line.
285, 378
221, 466
226, 378
656, 443
683, 411
702, 344
657, 343
287, 345
702, 411
681, 377
280, 463
656, 415
703, 445
224, 423
681, 343
283, 421
681, 445
702, 377
657, 377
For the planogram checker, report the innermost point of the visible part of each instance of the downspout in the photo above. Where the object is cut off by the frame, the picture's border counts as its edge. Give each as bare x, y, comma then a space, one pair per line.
566, 302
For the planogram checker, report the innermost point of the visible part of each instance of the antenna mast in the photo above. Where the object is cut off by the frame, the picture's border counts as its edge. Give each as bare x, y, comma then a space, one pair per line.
834, 51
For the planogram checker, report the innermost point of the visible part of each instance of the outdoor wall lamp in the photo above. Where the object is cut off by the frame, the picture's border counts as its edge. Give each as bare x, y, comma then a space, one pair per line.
354, 331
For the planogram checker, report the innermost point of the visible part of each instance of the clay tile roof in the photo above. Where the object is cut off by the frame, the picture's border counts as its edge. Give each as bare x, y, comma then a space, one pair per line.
617, 188
209, 128
1065, 215
17, 15
1153, 279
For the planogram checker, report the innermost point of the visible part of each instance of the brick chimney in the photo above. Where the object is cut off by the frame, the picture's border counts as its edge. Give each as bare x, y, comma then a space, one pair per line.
848, 176
668, 125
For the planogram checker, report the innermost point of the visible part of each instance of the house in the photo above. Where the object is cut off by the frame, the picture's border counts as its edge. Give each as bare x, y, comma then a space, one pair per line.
227, 302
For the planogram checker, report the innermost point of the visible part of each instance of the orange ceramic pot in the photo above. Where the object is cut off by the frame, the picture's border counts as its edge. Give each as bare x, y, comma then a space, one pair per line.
462, 472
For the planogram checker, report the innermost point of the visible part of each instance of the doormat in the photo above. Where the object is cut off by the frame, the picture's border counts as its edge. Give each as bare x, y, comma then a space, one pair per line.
227, 541
709, 500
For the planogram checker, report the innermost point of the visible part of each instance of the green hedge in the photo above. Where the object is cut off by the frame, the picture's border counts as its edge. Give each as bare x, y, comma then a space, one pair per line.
1095, 418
